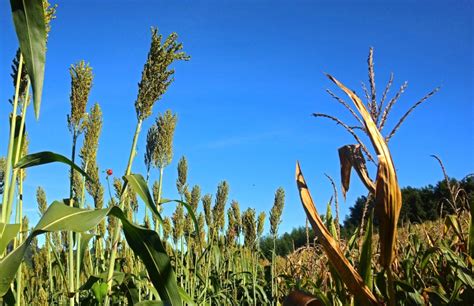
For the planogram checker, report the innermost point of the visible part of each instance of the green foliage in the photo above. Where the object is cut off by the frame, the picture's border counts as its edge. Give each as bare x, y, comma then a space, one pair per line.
30, 26
287, 242
146, 243
42, 158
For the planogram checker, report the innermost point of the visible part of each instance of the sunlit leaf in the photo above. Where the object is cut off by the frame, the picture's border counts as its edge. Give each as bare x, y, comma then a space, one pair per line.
46, 157
9, 232
29, 20
347, 273
144, 242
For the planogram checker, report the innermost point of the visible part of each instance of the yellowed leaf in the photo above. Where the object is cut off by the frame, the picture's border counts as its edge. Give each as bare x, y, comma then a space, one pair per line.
344, 269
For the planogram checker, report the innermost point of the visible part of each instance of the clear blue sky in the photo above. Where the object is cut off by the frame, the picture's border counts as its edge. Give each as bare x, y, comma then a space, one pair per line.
245, 99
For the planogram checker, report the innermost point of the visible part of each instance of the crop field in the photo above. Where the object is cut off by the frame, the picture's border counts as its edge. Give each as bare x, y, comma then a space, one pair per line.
112, 240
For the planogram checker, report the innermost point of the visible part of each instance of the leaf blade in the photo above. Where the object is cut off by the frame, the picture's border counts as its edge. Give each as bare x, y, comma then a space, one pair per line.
30, 26
47, 157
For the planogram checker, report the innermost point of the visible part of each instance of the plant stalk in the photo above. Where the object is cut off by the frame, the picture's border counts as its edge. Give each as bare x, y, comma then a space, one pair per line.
70, 262
118, 225
8, 165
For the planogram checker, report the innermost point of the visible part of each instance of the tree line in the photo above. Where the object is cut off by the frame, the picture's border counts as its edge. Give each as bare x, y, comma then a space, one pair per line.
421, 204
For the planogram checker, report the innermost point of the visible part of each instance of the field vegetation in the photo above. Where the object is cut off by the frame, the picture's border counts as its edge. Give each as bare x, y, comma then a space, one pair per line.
398, 246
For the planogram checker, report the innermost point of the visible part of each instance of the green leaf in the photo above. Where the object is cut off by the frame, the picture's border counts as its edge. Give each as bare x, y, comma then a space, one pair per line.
117, 277
185, 297
28, 17
144, 242
9, 298
85, 238
47, 157
100, 291
138, 184
365, 262
9, 232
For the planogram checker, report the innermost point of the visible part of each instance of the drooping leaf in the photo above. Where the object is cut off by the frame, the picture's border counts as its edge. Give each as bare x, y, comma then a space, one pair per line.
9, 232
47, 157
138, 184
29, 20
346, 271
452, 222
85, 238
144, 242
350, 156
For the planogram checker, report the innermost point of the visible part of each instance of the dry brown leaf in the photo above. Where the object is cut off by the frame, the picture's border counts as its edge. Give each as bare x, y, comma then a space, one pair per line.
300, 298
346, 272
351, 156
388, 202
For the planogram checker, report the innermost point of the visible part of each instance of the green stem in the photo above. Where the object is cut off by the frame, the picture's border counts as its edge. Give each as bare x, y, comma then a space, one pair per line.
70, 262
78, 237
50, 265
157, 226
19, 213
117, 228
8, 165
160, 184
274, 298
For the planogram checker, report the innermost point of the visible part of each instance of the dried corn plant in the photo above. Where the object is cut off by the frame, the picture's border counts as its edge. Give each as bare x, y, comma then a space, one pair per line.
371, 118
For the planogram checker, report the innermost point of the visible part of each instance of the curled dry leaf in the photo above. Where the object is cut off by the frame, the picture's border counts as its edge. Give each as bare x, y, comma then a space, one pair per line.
351, 156
344, 269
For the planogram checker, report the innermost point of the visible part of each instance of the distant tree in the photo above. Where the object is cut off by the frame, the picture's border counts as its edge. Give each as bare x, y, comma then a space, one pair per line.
419, 205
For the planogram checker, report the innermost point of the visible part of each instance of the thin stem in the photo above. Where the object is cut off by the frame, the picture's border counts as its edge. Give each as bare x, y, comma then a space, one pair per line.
19, 285
348, 128
117, 227
274, 295
160, 185
78, 257
17, 152
391, 288
70, 262
50, 265
8, 165
402, 119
